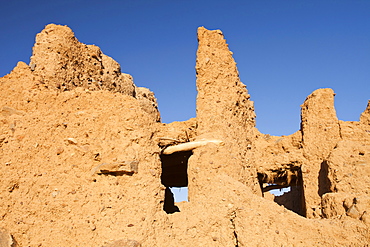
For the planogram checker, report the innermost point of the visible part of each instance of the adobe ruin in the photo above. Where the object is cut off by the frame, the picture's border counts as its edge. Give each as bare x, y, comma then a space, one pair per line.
85, 160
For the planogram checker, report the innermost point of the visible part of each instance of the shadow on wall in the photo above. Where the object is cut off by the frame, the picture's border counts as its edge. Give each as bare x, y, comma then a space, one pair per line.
169, 202
324, 181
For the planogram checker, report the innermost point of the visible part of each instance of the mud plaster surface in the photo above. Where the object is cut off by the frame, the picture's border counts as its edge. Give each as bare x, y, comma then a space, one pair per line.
57, 129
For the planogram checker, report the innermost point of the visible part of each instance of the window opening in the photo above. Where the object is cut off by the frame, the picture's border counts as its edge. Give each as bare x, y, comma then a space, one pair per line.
180, 193
280, 191
286, 185
174, 175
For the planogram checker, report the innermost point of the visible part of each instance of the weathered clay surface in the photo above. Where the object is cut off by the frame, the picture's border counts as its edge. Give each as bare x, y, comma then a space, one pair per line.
81, 155
148, 102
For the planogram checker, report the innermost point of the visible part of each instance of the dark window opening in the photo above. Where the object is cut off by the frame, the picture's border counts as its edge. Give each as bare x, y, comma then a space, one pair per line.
288, 180
174, 174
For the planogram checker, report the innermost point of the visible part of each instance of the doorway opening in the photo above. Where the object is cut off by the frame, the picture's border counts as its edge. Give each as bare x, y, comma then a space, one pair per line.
287, 186
174, 174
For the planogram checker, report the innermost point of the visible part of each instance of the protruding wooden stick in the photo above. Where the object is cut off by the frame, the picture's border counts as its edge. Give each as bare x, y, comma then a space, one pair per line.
187, 146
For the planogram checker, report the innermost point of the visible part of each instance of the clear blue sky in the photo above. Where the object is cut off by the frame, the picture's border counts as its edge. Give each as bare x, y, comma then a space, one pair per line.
285, 49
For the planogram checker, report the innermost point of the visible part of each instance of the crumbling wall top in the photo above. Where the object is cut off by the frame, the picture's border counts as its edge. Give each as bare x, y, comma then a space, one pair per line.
63, 62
